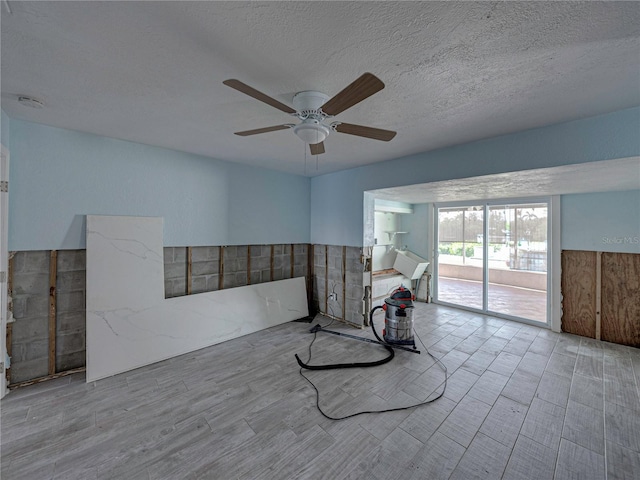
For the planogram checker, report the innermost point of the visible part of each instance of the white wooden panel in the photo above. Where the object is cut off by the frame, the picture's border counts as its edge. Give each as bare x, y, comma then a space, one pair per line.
129, 322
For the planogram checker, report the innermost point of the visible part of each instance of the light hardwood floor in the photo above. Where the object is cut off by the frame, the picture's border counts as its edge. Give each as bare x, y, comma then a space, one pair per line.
521, 402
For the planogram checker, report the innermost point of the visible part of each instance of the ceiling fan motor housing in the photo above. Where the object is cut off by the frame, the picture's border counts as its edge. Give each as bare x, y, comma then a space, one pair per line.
309, 101
307, 104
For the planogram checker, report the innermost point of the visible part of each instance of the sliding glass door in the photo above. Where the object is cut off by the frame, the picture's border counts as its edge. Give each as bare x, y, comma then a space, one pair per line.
518, 261
493, 257
460, 245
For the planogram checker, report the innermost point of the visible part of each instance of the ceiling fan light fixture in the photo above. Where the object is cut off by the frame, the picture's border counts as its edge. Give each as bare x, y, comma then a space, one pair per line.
311, 132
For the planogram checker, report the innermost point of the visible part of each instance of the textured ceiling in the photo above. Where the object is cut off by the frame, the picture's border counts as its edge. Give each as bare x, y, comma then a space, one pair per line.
608, 175
152, 72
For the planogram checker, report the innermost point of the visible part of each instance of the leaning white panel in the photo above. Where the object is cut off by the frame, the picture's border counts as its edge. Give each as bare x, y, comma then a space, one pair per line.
129, 322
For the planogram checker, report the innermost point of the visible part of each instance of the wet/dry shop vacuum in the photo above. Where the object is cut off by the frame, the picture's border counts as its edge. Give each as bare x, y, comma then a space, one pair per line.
398, 333
398, 319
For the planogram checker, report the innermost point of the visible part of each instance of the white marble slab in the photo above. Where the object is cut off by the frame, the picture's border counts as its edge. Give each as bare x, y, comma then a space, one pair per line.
129, 322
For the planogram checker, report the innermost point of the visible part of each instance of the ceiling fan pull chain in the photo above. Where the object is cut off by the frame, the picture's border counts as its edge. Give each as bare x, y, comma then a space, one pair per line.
304, 147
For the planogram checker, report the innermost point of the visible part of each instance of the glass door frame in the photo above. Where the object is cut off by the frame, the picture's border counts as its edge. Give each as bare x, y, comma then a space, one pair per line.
553, 256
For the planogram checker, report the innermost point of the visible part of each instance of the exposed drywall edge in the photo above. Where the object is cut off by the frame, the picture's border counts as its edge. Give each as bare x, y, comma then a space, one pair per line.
5, 127
392, 206
554, 277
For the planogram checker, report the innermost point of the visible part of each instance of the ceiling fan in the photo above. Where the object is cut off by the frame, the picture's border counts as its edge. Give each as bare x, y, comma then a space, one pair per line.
313, 108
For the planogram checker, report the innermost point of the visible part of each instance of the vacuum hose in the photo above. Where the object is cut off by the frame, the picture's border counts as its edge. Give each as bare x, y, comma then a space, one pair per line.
373, 327
376, 363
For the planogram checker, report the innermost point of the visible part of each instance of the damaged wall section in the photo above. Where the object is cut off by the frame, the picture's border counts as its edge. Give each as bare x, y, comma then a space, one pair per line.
30, 346
338, 283
30, 329
71, 287
236, 265
175, 271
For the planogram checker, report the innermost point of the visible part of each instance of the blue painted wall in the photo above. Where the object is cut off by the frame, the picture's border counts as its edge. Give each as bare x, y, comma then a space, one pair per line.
337, 198
58, 176
417, 224
605, 222
267, 206
4, 127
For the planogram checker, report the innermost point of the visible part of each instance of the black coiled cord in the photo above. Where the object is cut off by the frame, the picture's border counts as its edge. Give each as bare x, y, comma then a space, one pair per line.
365, 364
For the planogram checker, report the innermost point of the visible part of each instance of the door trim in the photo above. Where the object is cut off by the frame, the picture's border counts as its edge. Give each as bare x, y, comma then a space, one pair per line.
4, 265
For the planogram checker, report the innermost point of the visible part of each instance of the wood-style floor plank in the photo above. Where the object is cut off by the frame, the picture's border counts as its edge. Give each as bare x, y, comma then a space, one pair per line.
485, 458
504, 421
554, 388
543, 423
521, 402
622, 463
584, 426
530, 459
575, 461
437, 459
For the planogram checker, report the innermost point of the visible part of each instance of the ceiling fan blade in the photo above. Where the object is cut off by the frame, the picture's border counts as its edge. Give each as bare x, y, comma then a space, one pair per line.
316, 148
252, 92
368, 132
363, 87
246, 133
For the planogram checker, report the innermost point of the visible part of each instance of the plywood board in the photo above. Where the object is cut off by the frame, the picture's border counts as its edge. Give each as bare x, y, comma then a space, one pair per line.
129, 322
579, 292
621, 298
